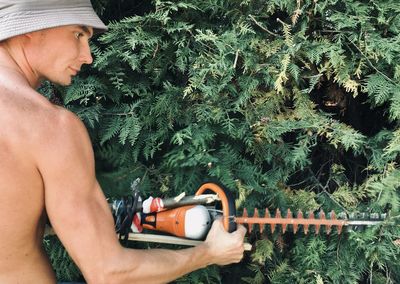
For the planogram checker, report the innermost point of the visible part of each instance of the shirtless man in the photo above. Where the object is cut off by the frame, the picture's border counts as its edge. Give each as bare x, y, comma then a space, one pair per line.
47, 164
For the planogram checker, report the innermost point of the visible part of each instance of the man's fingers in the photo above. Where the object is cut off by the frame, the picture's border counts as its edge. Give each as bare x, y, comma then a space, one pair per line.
226, 247
241, 230
218, 222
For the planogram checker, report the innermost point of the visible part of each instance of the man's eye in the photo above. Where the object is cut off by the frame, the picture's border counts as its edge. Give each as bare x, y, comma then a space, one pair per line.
78, 35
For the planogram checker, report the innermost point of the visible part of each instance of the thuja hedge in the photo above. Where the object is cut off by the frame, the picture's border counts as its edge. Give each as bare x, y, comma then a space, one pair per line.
290, 104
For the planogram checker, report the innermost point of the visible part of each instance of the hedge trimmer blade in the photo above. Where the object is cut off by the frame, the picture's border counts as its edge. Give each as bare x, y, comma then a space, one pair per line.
328, 221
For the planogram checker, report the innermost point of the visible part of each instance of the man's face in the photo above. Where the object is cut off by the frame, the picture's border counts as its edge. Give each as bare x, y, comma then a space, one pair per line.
57, 54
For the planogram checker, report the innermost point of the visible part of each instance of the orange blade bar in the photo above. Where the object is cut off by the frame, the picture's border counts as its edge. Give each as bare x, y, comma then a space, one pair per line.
289, 221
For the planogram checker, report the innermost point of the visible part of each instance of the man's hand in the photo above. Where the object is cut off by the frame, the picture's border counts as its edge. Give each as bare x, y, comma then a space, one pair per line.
225, 247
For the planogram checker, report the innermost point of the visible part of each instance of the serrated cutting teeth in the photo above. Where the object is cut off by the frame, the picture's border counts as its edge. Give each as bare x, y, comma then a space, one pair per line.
294, 222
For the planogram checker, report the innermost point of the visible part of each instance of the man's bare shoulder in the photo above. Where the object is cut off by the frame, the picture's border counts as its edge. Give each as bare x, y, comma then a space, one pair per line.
65, 130
61, 130
32, 119
59, 122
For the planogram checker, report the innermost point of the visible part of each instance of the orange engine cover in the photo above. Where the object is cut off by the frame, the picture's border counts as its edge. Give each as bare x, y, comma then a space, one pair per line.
191, 221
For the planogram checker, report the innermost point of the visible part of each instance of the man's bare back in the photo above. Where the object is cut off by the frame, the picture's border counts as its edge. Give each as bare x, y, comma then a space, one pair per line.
22, 258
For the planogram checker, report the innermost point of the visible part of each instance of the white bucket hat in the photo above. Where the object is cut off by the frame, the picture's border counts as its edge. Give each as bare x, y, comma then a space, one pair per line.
19, 17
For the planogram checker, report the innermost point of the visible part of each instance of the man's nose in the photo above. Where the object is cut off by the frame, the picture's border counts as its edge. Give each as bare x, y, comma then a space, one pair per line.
86, 54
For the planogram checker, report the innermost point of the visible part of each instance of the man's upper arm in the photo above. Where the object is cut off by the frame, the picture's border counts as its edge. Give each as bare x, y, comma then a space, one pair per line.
74, 201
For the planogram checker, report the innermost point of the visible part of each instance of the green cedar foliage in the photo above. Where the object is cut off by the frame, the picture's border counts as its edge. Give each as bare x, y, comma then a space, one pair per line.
290, 104
64, 267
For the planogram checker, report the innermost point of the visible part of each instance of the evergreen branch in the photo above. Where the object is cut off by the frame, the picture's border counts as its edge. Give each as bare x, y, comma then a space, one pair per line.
262, 27
369, 61
324, 190
236, 58
119, 114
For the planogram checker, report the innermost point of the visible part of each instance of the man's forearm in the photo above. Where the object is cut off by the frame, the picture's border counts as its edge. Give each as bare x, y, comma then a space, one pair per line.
156, 265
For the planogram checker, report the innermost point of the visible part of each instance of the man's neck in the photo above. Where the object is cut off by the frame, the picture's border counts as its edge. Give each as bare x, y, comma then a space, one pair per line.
12, 56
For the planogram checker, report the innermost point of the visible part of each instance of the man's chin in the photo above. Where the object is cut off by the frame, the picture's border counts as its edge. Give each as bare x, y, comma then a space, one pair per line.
66, 82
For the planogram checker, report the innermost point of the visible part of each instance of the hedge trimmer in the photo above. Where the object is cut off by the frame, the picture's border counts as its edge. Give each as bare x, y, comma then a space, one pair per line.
189, 218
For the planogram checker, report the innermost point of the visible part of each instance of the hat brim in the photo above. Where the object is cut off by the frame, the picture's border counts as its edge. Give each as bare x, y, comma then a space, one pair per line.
30, 21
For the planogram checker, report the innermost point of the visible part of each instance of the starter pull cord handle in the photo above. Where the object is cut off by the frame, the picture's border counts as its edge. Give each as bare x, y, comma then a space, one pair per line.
227, 201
